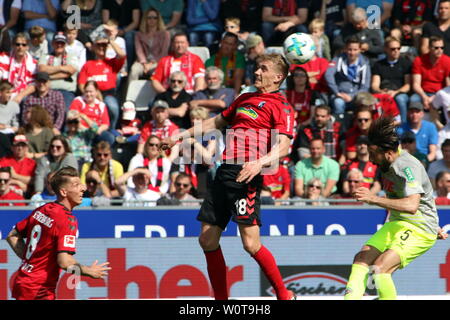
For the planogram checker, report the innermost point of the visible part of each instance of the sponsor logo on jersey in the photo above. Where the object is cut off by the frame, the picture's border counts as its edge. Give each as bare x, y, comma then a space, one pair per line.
249, 112
69, 241
409, 175
261, 104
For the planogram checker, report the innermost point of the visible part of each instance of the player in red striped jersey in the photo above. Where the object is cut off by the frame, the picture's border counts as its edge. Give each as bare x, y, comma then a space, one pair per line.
256, 120
50, 232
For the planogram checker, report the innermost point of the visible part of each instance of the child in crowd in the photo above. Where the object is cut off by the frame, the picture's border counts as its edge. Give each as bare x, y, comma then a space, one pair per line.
233, 25
130, 126
317, 30
38, 43
74, 46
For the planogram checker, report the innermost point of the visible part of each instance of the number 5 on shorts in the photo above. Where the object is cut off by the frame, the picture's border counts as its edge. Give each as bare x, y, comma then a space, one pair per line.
405, 235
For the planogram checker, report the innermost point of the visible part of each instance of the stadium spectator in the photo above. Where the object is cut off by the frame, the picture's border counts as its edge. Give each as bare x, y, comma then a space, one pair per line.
79, 137
6, 194
408, 142
215, 97
9, 109
348, 74
249, 12
130, 126
230, 61
74, 47
392, 75
442, 190
317, 29
179, 59
322, 126
43, 14
177, 99
443, 134
313, 192
38, 46
440, 165
156, 162
361, 125
255, 48
369, 170
233, 25
9, 17
108, 169
127, 14
151, 44
22, 167
318, 166
62, 69
203, 22
171, 10
160, 125
353, 180
369, 37
301, 96
19, 68
182, 193
380, 105
438, 28
430, 72
51, 100
104, 71
367, 5
425, 131
279, 182
39, 130
280, 18
94, 190
92, 107
59, 155
140, 195
332, 12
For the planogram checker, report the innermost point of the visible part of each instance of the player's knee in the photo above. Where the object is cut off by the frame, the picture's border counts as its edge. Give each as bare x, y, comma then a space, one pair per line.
251, 247
207, 243
362, 257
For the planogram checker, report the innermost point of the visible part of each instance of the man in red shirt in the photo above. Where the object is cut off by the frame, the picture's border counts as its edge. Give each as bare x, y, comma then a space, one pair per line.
256, 119
180, 60
316, 68
279, 183
104, 71
362, 122
5, 190
22, 167
430, 73
50, 232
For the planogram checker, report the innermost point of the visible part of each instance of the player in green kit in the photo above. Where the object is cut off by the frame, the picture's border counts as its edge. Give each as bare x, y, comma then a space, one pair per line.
412, 227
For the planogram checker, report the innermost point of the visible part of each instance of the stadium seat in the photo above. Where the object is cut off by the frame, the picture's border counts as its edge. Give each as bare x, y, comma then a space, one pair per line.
202, 52
142, 93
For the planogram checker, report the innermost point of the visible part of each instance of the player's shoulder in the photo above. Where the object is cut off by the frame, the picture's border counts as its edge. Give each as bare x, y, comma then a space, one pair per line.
407, 164
54, 209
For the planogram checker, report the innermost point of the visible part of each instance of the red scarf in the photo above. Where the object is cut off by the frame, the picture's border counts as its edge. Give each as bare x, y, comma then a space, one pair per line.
159, 174
189, 171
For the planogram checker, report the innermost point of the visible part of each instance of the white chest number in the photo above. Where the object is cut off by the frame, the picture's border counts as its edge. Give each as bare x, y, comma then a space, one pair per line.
35, 236
241, 206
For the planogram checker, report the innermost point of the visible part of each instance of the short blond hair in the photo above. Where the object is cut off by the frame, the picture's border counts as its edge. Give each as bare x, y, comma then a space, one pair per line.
316, 23
199, 112
234, 20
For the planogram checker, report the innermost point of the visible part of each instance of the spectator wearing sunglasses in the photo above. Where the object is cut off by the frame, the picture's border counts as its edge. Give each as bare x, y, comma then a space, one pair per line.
140, 195
6, 193
183, 187
313, 191
362, 122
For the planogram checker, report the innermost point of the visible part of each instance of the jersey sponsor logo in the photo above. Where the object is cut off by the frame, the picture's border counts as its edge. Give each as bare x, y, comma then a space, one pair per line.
69, 241
409, 175
261, 104
249, 112
42, 218
98, 78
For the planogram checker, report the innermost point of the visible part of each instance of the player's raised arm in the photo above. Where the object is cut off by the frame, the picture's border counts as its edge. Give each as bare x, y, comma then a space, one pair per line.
16, 242
67, 262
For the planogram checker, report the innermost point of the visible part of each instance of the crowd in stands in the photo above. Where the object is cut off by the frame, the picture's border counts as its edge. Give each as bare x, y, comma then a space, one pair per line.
67, 66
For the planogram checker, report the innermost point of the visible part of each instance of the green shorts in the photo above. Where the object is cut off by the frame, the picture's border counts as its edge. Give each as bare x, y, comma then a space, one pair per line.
407, 240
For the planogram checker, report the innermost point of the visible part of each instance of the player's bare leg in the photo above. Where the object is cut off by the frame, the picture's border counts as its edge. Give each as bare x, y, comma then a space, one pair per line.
384, 266
250, 236
357, 281
217, 271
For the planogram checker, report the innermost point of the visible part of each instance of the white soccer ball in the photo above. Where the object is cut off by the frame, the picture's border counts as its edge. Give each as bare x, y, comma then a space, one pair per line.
299, 48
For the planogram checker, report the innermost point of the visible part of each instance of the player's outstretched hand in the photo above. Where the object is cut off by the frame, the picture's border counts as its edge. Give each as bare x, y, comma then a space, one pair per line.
363, 194
249, 171
98, 271
166, 143
441, 234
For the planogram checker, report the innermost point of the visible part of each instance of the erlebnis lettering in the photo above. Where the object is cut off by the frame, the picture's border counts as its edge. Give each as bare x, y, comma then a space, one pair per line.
196, 310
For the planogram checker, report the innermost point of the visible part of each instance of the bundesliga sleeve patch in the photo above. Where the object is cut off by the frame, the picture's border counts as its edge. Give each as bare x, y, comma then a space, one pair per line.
69, 241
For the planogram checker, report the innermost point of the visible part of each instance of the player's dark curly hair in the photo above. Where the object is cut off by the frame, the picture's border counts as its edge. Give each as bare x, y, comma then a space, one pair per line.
383, 134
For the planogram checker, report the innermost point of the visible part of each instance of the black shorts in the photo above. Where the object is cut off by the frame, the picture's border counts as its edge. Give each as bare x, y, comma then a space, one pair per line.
230, 199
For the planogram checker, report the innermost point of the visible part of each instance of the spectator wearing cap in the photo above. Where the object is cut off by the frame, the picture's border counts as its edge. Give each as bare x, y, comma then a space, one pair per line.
22, 167
160, 125
79, 137
51, 100
230, 61
41, 13
130, 126
255, 48
104, 72
430, 73
89, 104
179, 59
392, 75
9, 109
425, 131
371, 175
62, 68
6, 193
440, 165
408, 142
362, 122
177, 99
215, 97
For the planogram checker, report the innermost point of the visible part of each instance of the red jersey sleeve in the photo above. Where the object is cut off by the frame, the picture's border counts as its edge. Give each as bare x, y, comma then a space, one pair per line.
22, 226
65, 235
283, 117
198, 67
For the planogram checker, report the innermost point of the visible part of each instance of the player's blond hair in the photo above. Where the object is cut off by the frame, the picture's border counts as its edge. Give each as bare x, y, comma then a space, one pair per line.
279, 62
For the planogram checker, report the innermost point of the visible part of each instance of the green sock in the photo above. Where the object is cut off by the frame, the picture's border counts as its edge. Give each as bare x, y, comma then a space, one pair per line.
385, 286
356, 285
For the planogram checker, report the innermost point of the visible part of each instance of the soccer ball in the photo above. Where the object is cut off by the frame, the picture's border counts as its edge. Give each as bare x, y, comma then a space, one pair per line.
299, 48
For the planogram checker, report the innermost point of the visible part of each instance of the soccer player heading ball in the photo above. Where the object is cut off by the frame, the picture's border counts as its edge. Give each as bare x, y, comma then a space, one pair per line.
235, 193
413, 224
